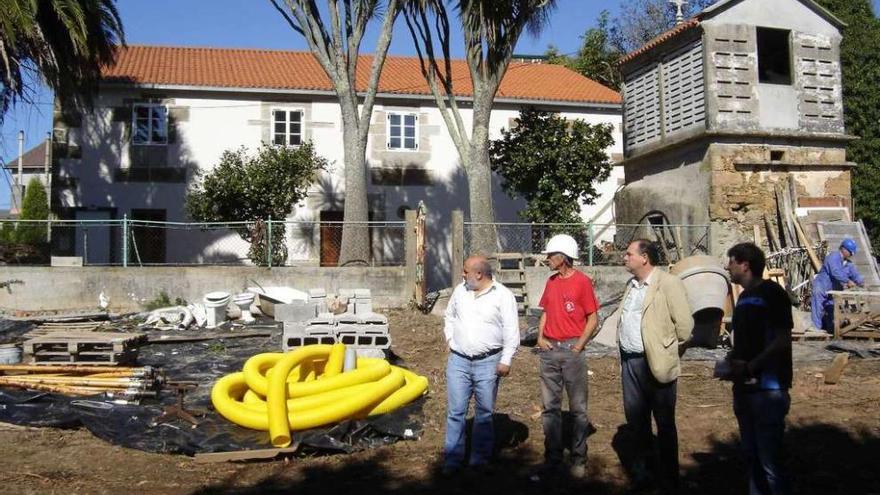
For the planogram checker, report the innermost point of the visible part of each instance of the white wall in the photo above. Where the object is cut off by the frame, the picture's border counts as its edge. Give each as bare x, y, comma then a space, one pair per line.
216, 124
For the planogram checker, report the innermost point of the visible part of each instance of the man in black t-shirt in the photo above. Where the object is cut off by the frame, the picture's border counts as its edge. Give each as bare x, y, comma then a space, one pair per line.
760, 365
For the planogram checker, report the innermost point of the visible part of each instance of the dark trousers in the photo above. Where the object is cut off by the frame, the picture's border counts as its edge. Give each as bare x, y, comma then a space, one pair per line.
562, 369
643, 396
761, 417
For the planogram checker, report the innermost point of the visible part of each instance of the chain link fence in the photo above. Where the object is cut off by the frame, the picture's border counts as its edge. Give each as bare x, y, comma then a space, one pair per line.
608, 241
125, 242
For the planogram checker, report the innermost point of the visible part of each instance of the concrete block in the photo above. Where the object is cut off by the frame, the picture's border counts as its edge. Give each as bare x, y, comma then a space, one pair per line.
345, 294
67, 261
362, 306
362, 294
317, 293
373, 319
347, 319
297, 334
323, 319
296, 311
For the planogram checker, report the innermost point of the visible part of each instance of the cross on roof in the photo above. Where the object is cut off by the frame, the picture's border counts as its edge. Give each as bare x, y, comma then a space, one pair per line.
679, 14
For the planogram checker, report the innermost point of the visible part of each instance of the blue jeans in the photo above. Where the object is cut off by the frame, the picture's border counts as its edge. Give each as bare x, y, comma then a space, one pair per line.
761, 416
465, 378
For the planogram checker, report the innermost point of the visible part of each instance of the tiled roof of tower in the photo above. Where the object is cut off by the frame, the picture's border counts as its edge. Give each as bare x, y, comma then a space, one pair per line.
273, 69
660, 39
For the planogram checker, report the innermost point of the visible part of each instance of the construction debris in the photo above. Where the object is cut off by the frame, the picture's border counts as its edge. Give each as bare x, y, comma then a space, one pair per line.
128, 384
88, 348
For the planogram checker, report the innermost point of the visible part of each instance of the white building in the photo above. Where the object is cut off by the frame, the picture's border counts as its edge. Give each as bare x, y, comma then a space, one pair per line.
165, 112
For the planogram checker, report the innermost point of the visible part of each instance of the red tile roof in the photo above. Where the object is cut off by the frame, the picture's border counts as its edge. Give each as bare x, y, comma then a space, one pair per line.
271, 69
32, 158
660, 39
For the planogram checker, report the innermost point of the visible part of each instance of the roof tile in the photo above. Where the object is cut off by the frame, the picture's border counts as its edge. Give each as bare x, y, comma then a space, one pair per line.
272, 69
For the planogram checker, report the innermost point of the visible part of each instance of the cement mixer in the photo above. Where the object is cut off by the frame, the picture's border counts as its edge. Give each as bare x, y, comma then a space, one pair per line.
708, 289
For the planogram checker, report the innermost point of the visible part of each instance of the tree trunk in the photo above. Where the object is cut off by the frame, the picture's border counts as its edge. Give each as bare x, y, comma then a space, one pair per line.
355, 247
483, 238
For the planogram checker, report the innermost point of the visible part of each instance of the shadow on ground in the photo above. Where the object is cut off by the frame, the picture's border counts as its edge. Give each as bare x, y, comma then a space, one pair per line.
823, 459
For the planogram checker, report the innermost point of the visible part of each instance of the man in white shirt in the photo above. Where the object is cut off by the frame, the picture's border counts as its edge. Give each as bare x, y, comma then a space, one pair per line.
482, 332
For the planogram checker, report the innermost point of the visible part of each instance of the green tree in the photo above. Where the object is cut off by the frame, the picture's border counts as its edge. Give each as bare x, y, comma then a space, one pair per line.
552, 163
256, 187
860, 60
34, 206
596, 58
65, 41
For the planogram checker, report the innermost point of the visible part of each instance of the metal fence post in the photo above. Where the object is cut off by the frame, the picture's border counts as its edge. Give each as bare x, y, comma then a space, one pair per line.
125, 240
590, 241
269, 243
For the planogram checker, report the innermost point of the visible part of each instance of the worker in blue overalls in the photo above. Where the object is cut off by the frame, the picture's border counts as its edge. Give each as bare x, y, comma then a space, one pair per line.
838, 272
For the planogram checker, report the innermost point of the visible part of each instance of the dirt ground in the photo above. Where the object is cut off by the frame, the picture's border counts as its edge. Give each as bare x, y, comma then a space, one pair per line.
833, 441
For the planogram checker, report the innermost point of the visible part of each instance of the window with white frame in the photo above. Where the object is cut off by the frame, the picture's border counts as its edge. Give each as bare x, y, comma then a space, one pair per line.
287, 127
403, 131
149, 124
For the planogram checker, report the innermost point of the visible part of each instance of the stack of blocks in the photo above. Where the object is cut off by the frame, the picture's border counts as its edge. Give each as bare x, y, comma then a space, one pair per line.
359, 327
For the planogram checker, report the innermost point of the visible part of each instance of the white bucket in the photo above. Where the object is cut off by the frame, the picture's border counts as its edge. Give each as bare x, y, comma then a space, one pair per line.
10, 354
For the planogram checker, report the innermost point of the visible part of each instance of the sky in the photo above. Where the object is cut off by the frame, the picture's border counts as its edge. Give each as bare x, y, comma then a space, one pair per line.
256, 24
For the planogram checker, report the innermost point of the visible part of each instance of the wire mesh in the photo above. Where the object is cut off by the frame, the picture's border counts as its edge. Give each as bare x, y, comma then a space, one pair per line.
153, 243
608, 242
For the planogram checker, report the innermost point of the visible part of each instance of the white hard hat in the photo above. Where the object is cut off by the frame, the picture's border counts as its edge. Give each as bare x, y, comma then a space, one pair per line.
562, 243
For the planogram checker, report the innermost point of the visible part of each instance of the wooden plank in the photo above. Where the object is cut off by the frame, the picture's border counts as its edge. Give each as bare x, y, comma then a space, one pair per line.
772, 240
833, 372
814, 260
243, 455
173, 339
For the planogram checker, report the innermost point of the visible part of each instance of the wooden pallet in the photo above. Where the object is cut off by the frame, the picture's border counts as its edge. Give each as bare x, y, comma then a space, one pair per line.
92, 348
76, 328
810, 337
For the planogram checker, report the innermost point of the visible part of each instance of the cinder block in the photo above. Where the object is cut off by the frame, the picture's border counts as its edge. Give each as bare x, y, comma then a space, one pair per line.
363, 306
373, 319
317, 293
296, 311
362, 294
323, 319
347, 319
347, 334
297, 334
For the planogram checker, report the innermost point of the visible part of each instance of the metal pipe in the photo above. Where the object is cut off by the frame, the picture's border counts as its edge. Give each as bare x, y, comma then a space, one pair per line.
48, 183
71, 369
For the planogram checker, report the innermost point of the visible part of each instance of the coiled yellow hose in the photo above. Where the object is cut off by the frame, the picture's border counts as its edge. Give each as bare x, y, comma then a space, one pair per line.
306, 388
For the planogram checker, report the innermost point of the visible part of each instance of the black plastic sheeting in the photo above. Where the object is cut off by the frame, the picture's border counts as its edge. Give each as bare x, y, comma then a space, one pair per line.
134, 426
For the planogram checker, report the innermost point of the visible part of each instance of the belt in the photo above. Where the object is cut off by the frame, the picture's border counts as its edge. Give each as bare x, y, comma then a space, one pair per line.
631, 355
476, 357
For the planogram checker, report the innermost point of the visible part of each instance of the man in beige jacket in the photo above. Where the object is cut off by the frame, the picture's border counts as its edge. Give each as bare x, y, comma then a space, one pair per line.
655, 320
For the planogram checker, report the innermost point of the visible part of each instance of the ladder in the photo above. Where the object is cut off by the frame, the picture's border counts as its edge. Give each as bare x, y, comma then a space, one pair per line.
511, 271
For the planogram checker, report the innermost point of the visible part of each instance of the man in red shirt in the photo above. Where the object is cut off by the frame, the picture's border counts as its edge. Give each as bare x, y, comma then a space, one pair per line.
567, 325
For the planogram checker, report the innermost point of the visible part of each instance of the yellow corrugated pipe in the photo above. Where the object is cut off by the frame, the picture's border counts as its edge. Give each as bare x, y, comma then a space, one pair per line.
306, 388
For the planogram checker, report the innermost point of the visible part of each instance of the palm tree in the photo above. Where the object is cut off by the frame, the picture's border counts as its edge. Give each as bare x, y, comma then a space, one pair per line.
491, 29
63, 42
